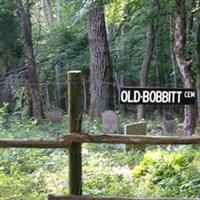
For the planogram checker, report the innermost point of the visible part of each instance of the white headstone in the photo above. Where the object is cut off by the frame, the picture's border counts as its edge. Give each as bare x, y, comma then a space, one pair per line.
170, 127
109, 121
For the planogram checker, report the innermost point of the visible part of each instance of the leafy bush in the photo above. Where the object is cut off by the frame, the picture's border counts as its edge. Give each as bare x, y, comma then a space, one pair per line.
172, 172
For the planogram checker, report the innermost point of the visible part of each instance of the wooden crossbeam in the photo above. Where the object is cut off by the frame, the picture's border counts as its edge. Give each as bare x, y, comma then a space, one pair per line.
17, 143
67, 140
52, 197
133, 139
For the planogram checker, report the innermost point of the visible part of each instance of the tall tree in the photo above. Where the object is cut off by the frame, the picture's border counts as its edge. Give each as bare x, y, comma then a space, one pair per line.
60, 88
172, 54
148, 54
10, 44
58, 11
24, 17
47, 12
101, 73
198, 68
184, 65
191, 17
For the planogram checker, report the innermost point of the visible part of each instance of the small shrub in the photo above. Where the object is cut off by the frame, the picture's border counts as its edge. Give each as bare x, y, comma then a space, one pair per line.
169, 173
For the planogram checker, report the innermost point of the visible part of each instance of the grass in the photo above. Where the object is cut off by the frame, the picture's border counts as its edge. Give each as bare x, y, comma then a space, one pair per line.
107, 169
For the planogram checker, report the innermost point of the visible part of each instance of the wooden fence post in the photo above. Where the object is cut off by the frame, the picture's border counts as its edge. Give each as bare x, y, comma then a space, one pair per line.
75, 110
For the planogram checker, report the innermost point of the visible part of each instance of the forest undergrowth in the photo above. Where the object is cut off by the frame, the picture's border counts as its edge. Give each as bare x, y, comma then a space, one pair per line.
157, 171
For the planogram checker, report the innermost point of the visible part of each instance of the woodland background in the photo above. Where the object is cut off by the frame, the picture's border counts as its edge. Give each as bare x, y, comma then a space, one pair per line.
115, 43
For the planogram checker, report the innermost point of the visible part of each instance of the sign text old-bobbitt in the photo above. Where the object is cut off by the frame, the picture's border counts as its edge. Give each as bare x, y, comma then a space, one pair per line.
157, 96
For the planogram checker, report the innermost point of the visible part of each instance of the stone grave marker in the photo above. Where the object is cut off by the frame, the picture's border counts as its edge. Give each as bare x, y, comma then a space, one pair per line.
109, 122
169, 127
138, 128
169, 124
198, 125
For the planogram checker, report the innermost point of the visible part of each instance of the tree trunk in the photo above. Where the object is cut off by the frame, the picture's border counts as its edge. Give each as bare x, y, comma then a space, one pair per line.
198, 70
180, 41
150, 38
61, 100
100, 63
47, 12
173, 59
191, 17
32, 75
58, 11
43, 12
119, 79
85, 102
47, 99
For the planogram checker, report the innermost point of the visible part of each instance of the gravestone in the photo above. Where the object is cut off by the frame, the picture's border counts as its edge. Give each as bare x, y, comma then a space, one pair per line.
109, 122
169, 124
138, 128
169, 127
198, 125
55, 115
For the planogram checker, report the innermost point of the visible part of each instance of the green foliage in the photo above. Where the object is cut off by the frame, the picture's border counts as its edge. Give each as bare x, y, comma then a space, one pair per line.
10, 45
3, 111
172, 172
91, 126
28, 174
33, 129
21, 101
115, 12
107, 169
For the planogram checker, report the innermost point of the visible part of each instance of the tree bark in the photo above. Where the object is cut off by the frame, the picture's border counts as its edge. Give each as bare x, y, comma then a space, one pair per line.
101, 74
60, 88
58, 11
172, 54
150, 39
198, 69
47, 12
32, 75
180, 41
47, 99
85, 101
191, 17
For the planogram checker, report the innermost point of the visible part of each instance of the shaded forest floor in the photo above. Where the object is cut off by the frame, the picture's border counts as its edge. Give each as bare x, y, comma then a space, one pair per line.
157, 171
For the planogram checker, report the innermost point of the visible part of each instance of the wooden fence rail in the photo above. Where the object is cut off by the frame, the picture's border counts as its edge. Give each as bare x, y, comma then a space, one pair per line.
51, 197
67, 140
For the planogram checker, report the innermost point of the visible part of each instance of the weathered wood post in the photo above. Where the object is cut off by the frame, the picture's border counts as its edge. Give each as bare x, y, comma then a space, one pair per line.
75, 110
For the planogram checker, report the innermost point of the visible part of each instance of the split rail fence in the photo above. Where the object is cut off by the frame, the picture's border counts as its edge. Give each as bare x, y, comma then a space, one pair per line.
74, 140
